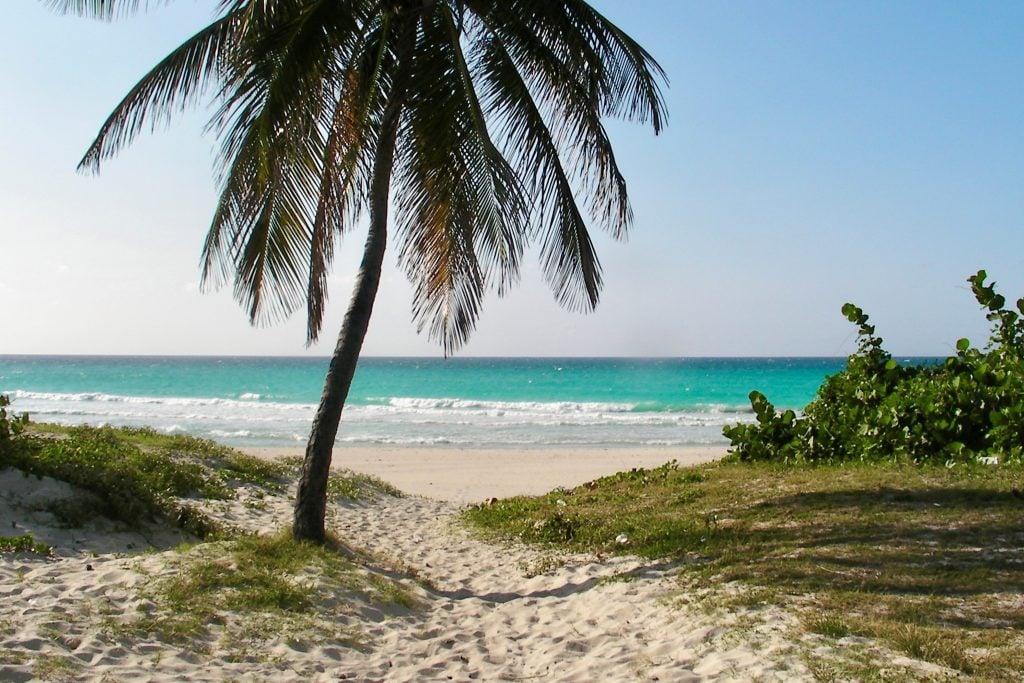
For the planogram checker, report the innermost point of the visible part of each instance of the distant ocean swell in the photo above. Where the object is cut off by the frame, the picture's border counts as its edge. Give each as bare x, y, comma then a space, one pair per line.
253, 420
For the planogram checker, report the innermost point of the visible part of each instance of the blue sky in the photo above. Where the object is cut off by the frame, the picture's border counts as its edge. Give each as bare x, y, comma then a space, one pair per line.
816, 153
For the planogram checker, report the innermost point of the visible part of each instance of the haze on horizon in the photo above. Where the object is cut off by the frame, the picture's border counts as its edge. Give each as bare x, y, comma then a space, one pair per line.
815, 154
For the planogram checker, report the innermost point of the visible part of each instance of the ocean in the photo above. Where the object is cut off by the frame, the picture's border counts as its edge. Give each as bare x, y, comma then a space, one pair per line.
460, 402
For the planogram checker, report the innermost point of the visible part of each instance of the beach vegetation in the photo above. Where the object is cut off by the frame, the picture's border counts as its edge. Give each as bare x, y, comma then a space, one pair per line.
25, 543
11, 426
55, 668
45, 428
74, 511
831, 625
908, 556
478, 123
128, 483
229, 463
548, 563
968, 407
136, 475
857, 661
255, 589
346, 485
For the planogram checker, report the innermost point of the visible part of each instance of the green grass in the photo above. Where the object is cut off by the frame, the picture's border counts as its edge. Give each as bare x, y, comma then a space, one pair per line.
240, 591
54, 668
349, 485
228, 463
25, 543
136, 475
131, 483
831, 625
251, 590
928, 561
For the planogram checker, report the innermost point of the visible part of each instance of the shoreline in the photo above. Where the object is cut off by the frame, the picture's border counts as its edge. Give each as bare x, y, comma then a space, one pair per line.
471, 475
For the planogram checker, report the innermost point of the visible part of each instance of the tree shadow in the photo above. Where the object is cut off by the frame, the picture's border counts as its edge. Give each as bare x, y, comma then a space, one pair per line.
649, 571
924, 541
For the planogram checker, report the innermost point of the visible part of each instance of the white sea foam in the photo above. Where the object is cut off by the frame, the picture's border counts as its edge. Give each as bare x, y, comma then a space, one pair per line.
393, 421
236, 434
244, 401
529, 406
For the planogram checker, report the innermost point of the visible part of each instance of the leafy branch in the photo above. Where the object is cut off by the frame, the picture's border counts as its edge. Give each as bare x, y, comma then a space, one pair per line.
967, 407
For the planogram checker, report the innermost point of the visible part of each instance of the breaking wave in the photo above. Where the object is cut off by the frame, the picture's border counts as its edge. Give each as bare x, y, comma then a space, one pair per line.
252, 420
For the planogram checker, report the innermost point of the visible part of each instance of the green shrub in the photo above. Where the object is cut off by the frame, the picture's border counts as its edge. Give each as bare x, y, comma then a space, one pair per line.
971, 405
23, 544
11, 427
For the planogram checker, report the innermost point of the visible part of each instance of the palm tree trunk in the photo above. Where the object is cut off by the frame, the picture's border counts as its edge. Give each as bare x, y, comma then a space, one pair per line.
311, 499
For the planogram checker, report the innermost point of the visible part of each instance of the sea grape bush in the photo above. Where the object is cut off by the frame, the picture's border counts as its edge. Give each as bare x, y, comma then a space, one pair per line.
11, 427
968, 406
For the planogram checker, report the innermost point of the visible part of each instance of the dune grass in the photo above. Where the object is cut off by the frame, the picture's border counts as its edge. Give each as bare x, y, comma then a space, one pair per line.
925, 561
252, 590
138, 475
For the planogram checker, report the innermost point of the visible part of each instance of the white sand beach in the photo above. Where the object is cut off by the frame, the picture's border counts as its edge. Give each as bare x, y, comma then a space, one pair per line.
484, 612
471, 475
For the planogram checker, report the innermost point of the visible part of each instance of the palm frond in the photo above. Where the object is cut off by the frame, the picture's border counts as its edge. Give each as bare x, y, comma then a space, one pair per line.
170, 87
340, 196
632, 76
562, 71
259, 232
346, 166
461, 210
499, 192
106, 10
270, 266
568, 258
272, 124
496, 123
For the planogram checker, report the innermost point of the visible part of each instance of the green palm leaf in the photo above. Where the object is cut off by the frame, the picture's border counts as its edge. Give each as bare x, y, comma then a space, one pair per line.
462, 213
173, 85
280, 93
567, 255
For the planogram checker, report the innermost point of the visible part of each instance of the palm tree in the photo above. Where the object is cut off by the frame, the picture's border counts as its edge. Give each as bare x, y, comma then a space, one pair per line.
478, 122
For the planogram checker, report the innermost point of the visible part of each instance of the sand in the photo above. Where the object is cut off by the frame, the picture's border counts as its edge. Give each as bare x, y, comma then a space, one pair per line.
485, 612
472, 475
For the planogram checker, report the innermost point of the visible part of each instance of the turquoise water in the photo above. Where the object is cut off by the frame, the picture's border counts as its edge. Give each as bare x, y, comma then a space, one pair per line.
423, 401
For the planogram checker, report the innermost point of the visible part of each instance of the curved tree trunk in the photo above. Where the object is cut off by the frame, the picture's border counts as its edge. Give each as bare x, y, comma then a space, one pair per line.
311, 499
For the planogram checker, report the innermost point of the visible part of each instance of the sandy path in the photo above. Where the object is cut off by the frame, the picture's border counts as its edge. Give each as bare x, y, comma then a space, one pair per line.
585, 621
483, 615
